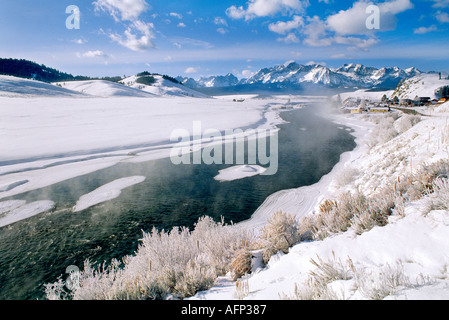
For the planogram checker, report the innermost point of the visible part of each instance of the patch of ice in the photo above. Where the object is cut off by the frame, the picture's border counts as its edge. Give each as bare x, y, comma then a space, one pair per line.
18, 210
239, 172
105, 193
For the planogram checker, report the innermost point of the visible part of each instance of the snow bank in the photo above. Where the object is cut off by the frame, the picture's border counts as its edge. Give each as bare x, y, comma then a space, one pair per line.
102, 88
13, 211
239, 172
18, 87
107, 192
45, 173
163, 87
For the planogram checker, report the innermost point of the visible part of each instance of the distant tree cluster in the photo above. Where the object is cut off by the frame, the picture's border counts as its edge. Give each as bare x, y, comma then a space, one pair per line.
170, 79
31, 70
443, 92
22, 68
146, 80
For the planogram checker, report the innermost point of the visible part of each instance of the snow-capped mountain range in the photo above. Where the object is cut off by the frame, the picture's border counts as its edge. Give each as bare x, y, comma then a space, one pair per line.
292, 74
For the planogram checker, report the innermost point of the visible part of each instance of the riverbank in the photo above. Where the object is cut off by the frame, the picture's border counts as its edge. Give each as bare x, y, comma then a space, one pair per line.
401, 260
304, 200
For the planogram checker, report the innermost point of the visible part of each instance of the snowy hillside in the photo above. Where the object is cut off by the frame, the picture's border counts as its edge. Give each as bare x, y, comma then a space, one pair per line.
422, 86
161, 87
102, 88
18, 87
402, 259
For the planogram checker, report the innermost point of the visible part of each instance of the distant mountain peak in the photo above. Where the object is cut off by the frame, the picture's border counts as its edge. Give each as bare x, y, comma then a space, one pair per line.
294, 75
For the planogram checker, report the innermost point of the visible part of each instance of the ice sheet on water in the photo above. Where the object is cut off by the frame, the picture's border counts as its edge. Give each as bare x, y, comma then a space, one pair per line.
17, 210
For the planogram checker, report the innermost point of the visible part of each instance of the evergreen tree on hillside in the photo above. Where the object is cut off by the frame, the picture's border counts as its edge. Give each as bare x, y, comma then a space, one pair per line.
31, 70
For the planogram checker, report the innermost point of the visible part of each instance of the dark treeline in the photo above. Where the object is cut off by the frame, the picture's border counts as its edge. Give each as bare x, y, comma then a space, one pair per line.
31, 70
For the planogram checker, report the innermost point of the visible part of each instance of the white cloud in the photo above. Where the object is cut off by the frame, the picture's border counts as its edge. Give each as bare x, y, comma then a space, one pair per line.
355, 42
424, 30
191, 70
313, 63
442, 17
79, 41
247, 73
132, 41
441, 3
220, 21
290, 38
316, 32
353, 20
235, 13
184, 41
92, 54
138, 35
282, 27
222, 30
265, 8
340, 56
176, 15
122, 9
182, 25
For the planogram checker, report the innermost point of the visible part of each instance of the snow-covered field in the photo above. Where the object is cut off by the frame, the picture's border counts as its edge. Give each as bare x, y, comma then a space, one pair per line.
101, 88
46, 140
49, 140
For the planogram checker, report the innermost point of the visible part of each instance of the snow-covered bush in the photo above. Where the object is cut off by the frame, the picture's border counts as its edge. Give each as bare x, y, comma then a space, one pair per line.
330, 278
241, 264
346, 176
281, 233
179, 263
390, 126
354, 211
383, 132
440, 198
406, 122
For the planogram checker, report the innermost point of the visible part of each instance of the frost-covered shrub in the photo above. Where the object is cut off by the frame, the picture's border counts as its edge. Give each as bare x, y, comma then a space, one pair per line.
406, 122
390, 126
383, 132
375, 284
440, 198
241, 264
179, 263
346, 176
354, 211
379, 284
281, 233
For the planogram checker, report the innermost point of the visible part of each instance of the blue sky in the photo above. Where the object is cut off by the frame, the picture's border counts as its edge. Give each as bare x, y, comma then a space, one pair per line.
201, 37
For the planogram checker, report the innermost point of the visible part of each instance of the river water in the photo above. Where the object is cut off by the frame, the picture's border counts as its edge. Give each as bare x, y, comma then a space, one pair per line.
38, 250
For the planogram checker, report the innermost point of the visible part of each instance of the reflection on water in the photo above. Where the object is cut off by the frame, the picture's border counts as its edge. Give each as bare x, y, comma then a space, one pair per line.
38, 250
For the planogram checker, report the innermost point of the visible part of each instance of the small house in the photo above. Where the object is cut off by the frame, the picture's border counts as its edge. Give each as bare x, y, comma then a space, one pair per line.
379, 110
356, 110
424, 100
405, 102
